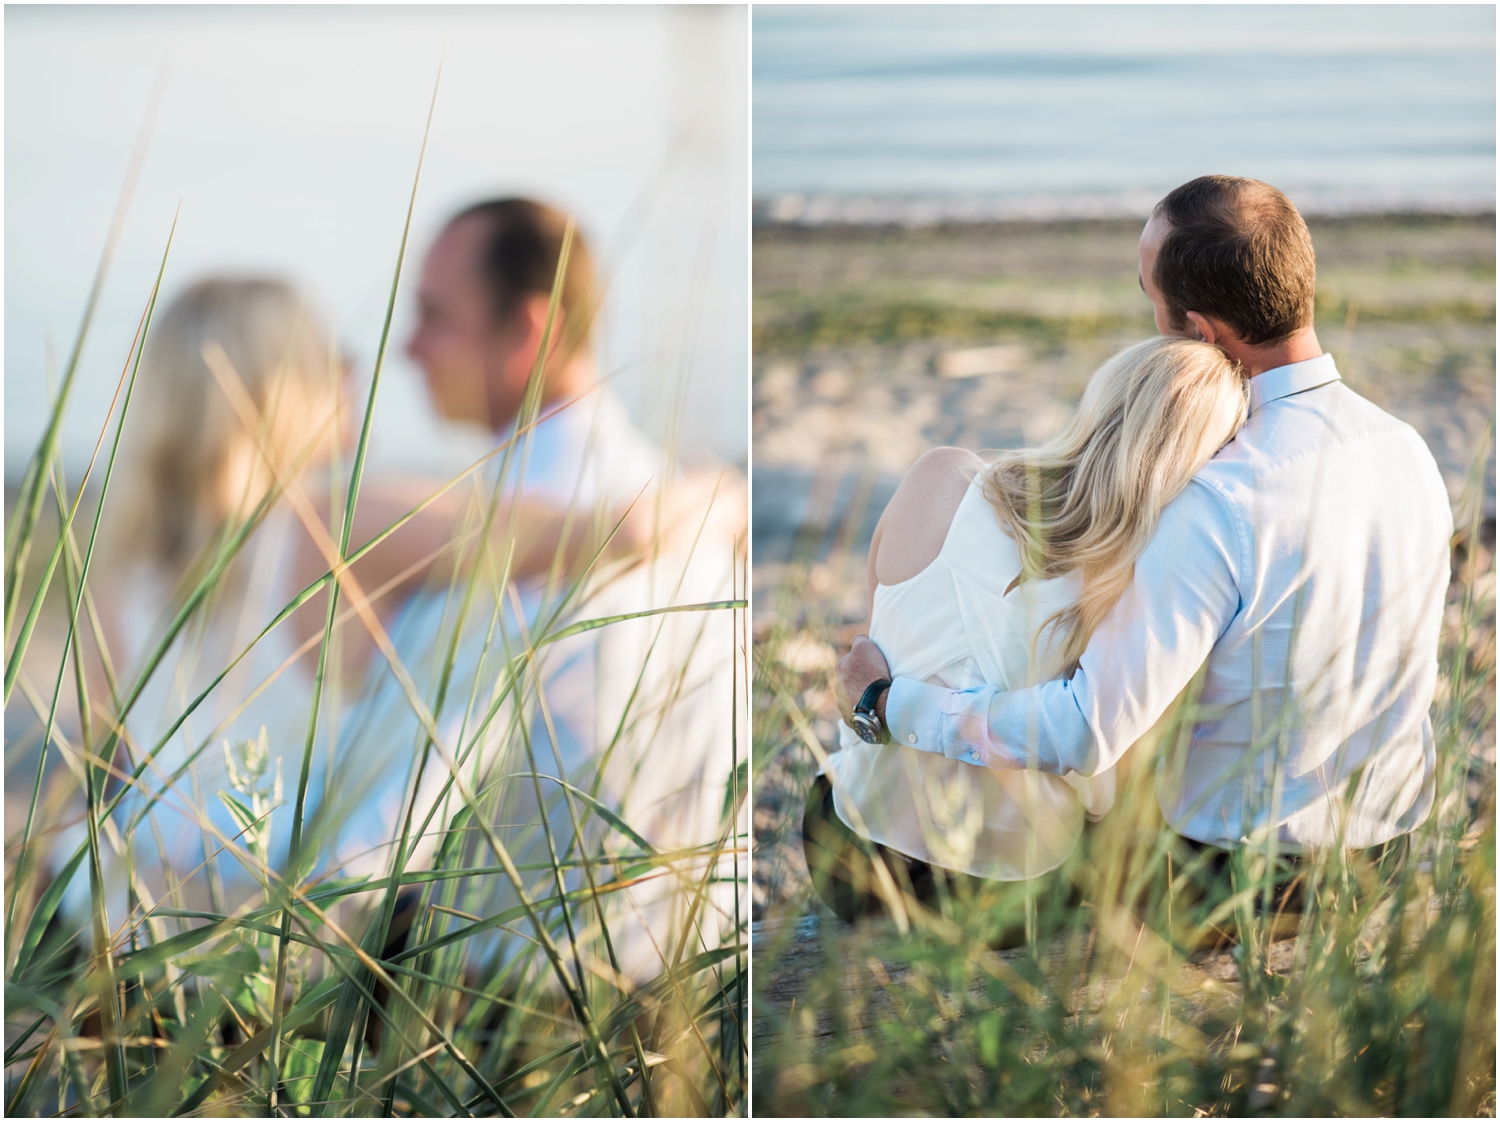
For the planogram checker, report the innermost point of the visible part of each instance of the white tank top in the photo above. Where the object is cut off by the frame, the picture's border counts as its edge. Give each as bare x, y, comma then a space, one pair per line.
263, 691
955, 625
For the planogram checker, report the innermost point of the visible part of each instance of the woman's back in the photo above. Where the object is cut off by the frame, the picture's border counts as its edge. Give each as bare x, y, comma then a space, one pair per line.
267, 688
958, 615
964, 621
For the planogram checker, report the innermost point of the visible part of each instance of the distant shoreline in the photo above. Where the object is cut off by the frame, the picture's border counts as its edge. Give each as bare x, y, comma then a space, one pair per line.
833, 212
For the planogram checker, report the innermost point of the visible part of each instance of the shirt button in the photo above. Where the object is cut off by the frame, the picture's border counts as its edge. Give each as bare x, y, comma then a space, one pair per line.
973, 756
911, 738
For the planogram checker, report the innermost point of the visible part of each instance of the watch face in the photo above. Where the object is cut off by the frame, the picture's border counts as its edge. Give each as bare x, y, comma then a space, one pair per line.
866, 727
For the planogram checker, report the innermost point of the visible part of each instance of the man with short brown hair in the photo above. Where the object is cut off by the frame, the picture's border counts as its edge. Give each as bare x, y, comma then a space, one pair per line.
482, 309
1229, 261
1303, 570
631, 713
1236, 250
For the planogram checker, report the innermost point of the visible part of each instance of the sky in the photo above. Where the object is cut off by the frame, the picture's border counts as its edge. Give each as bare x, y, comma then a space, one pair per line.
290, 138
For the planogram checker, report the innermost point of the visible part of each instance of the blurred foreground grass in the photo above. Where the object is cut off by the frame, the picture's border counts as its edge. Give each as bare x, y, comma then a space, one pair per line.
287, 1000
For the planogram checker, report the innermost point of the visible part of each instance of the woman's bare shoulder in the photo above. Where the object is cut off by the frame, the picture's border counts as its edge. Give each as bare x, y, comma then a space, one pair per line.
916, 520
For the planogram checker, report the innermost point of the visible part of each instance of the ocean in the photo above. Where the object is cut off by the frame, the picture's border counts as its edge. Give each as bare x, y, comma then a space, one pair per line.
920, 114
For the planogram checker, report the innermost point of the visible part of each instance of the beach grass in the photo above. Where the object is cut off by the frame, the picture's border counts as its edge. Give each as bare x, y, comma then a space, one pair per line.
288, 1000
1046, 283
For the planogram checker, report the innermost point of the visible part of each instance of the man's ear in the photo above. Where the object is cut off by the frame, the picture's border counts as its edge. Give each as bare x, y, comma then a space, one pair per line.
1209, 330
524, 335
531, 320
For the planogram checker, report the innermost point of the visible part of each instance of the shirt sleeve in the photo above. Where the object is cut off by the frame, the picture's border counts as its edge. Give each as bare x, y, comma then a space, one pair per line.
1183, 596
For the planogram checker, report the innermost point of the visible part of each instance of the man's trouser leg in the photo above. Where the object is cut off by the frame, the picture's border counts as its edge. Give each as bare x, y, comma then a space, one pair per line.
841, 864
1212, 874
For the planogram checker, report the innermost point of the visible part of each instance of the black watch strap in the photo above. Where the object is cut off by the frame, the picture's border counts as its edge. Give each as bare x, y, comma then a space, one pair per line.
871, 695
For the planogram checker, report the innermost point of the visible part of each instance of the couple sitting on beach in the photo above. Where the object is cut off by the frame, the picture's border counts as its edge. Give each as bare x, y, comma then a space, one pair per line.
241, 420
1221, 511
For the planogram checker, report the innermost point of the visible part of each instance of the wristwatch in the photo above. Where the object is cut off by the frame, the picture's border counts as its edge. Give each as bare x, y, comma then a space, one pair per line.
865, 721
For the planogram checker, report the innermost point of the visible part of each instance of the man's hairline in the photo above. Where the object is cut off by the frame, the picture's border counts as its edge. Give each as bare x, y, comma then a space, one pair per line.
1177, 323
475, 268
1168, 227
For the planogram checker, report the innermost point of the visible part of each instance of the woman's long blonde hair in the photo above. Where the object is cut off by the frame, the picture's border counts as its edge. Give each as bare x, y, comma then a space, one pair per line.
1088, 500
189, 467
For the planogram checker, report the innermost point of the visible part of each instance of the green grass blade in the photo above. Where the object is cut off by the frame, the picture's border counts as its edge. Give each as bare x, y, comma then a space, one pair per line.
23, 638
346, 1010
29, 508
604, 621
13, 667
114, 1053
42, 914
593, 804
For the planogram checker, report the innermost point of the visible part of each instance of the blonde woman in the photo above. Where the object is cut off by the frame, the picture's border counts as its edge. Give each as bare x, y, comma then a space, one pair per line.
240, 395
237, 414
996, 575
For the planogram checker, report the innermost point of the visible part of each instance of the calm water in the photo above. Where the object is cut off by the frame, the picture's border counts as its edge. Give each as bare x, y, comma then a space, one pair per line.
1079, 109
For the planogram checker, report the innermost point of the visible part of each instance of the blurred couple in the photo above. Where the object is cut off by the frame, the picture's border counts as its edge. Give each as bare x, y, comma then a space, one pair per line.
1222, 521
242, 426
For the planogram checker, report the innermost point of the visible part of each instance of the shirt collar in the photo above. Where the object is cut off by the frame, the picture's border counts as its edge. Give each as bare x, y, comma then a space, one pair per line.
1283, 381
558, 417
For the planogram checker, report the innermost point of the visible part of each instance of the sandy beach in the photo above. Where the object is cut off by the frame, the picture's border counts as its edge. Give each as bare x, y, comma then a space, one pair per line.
873, 345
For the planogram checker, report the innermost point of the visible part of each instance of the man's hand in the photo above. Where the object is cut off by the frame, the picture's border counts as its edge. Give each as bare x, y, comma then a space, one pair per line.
856, 670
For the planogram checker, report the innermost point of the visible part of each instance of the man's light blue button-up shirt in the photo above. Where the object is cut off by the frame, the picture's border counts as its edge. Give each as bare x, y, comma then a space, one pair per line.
1304, 570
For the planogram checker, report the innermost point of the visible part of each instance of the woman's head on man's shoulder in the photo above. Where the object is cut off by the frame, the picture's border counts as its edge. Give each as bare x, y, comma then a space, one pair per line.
1088, 500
